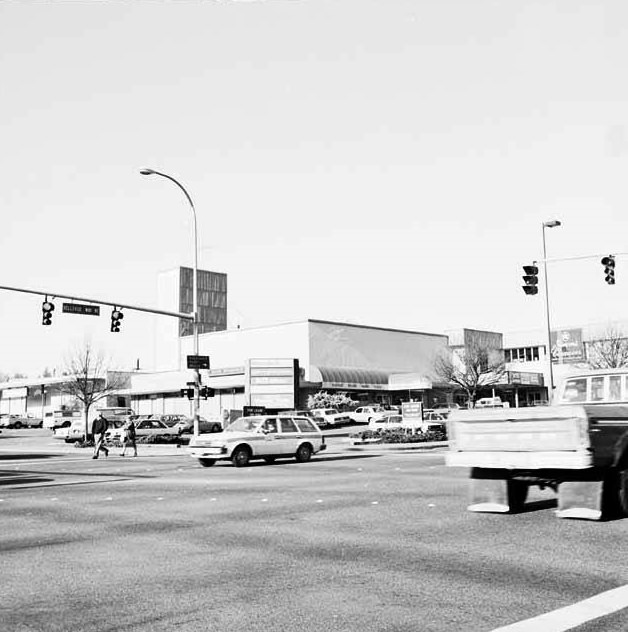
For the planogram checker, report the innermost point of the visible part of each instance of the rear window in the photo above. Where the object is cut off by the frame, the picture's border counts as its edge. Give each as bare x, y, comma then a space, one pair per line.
305, 425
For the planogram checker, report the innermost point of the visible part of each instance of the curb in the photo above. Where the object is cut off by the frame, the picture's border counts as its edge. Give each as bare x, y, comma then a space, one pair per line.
389, 447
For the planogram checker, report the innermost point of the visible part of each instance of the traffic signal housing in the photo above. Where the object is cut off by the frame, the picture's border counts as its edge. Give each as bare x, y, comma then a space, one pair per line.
187, 392
207, 392
609, 269
46, 312
531, 279
116, 317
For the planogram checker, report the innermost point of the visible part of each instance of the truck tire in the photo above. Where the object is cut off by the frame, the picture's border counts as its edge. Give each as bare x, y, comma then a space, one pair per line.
517, 495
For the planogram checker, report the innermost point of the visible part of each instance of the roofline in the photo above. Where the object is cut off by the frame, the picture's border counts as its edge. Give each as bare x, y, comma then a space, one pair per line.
307, 321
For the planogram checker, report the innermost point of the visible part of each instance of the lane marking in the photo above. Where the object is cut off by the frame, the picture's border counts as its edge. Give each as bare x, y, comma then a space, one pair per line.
572, 616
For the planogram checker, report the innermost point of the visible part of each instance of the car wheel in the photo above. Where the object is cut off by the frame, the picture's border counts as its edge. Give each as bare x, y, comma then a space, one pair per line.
207, 462
17, 425
304, 453
270, 459
241, 456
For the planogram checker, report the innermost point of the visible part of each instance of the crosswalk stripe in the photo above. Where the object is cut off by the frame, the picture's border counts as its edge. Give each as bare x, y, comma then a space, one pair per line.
572, 616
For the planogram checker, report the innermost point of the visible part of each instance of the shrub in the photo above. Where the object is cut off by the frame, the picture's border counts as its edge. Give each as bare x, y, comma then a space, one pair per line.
400, 435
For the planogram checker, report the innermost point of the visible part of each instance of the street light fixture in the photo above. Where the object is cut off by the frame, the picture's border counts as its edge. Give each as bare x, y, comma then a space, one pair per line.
550, 224
197, 374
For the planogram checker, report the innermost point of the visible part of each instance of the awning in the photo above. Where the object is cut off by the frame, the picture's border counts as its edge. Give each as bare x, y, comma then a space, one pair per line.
349, 377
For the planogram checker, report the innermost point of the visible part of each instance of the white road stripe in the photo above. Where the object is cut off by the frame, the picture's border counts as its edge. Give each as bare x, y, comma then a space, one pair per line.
571, 616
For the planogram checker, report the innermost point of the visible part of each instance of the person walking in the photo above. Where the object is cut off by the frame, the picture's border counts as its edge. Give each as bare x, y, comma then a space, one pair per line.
128, 438
99, 428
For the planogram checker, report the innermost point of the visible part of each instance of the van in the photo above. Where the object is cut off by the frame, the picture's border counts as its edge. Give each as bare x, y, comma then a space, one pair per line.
61, 418
491, 402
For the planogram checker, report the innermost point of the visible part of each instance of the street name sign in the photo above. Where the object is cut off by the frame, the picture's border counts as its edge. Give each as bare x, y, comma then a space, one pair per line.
80, 308
198, 362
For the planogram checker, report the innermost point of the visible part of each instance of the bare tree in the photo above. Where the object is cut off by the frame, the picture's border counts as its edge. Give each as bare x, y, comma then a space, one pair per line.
473, 367
90, 379
609, 353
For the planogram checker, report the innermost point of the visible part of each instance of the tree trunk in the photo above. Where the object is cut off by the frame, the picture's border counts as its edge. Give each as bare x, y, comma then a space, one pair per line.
87, 433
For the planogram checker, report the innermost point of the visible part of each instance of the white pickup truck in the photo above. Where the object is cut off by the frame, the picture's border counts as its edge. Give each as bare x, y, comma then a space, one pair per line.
577, 447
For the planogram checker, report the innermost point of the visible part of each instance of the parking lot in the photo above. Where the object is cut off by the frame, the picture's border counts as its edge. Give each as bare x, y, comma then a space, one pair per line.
353, 540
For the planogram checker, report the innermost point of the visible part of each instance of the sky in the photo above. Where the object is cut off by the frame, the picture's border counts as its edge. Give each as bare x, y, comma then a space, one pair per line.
380, 162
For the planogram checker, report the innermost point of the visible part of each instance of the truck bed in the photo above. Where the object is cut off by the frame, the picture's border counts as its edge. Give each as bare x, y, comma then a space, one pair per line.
520, 438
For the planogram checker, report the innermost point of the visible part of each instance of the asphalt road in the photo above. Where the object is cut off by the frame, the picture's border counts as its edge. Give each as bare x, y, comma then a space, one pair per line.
352, 541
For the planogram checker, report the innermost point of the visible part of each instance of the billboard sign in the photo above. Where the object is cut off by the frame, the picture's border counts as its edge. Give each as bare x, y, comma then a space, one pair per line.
567, 346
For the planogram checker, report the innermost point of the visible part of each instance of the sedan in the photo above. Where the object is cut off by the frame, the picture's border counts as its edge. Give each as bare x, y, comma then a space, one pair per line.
387, 422
186, 425
150, 427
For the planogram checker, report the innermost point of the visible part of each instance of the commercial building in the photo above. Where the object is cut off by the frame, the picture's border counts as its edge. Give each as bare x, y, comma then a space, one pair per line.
279, 366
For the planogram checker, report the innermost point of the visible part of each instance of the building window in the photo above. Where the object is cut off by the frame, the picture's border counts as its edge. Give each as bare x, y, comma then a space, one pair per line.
522, 354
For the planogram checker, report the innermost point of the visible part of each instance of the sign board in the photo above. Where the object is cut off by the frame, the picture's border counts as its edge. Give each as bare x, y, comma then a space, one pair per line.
250, 411
412, 413
412, 410
272, 382
527, 379
80, 308
567, 346
198, 362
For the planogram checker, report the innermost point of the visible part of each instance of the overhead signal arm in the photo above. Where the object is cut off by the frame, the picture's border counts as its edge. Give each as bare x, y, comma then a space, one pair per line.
48, 306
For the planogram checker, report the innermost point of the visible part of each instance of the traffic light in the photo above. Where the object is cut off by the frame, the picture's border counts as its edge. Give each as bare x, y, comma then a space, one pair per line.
531, 279
207, 392
116, 317
187, 392
46, 312
609, 269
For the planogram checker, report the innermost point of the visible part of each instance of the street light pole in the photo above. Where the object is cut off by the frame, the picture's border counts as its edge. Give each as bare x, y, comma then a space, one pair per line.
551, 224
197, 373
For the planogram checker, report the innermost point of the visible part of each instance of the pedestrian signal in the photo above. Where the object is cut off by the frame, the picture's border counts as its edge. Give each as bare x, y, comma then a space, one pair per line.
609, 269
116, 317
46, 312
531, 279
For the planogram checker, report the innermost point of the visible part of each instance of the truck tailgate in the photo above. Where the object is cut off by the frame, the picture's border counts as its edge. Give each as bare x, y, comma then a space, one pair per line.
551, 429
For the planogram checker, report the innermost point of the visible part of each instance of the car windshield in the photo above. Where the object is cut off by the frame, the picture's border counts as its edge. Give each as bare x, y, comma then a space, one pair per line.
245, 424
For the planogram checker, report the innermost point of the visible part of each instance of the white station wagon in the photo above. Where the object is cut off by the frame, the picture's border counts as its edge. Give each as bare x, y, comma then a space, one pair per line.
259, 437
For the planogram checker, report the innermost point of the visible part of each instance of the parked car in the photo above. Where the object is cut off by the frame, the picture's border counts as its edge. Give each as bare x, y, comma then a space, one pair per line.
20, 421
260, 437
491, 402
186, 425
171, 419
364, 414
434, 421
332, 416
150, 427
75, 432
387, 422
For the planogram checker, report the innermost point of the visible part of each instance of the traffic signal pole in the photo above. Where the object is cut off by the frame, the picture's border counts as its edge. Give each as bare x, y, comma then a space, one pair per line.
547, 319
